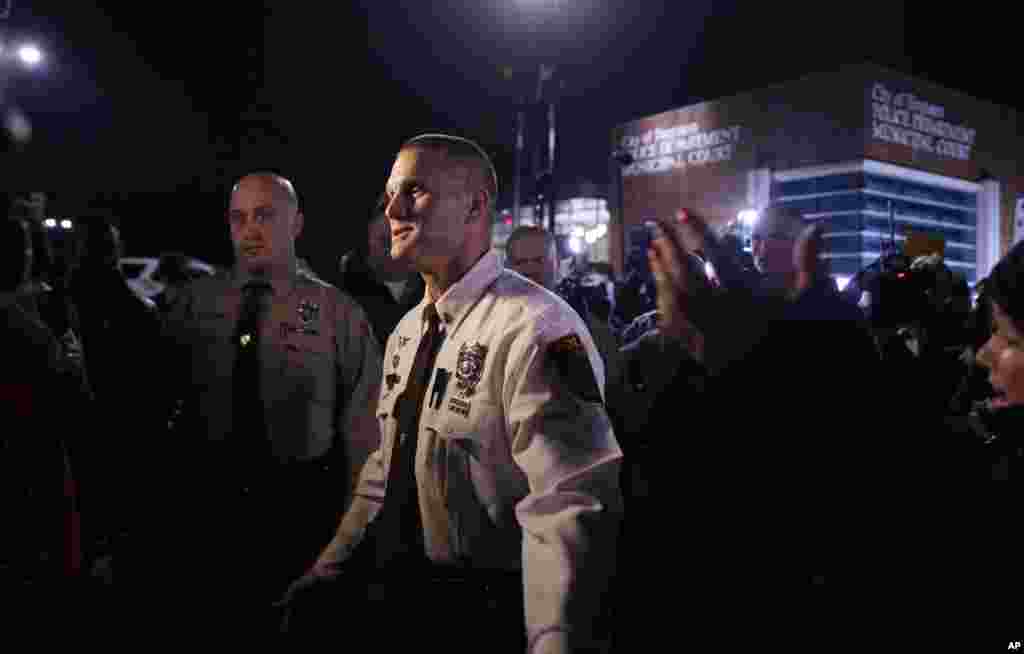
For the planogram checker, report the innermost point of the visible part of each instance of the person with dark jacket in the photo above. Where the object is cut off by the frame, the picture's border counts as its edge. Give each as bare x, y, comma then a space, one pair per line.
172, 271
385, 288
997, 422
771, 431
755, 466
974, 384
957, 500
119, 332
45, 295
40, 552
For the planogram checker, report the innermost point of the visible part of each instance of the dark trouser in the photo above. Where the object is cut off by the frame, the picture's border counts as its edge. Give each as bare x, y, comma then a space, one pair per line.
225, 546
435, 608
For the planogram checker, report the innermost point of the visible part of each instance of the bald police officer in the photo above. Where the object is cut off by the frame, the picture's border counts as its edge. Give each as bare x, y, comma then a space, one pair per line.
280, 372
496, 443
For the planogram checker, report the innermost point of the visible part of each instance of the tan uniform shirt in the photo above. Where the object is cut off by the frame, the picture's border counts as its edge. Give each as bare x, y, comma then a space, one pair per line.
321, 366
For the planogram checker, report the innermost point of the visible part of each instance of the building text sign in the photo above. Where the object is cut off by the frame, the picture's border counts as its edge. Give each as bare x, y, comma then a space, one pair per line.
906, 119
663, 150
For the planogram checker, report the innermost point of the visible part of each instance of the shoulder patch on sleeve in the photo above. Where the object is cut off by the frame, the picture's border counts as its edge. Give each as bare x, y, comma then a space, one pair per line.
572, 367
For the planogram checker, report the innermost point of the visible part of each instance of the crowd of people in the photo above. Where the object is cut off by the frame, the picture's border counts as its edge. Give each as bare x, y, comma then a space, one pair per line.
450, 437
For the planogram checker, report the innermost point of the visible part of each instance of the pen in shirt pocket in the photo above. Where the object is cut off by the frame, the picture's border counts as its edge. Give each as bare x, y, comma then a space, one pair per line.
440, 385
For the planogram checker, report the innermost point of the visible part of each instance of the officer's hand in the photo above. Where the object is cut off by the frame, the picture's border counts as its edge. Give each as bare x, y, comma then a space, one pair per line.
302, 589
299, 588
694, 234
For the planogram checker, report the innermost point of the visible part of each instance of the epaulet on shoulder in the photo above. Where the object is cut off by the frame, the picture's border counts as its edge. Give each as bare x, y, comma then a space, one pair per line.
510, 279
512, 284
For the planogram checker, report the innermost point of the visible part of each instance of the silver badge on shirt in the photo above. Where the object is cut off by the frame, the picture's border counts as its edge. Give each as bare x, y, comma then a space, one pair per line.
469, 368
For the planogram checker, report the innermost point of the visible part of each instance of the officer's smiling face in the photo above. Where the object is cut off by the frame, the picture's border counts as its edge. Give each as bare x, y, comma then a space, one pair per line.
264, 225
428, 203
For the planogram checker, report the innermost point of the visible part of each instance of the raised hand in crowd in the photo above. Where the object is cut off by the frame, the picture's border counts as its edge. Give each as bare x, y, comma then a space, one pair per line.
806, 258
681, 284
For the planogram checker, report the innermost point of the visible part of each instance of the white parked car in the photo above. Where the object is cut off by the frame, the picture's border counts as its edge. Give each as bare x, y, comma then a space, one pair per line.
143, 274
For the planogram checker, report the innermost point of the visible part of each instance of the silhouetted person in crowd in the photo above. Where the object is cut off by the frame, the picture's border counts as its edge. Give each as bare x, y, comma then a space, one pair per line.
772, 429
386, 288
119, 333
45, 294
533, 253
172, 271
278, 373
40, 551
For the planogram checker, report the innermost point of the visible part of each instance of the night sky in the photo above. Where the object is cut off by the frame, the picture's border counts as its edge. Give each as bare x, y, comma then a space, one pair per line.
156, 101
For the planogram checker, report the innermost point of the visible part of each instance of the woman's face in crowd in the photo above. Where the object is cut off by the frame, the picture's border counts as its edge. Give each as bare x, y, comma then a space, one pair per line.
1003, 355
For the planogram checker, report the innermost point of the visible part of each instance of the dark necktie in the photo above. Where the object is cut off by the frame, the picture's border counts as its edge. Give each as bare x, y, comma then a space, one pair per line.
249, 429
401, 537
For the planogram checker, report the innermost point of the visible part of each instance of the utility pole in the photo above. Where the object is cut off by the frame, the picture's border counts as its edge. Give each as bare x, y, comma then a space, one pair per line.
520, 143
546, 177
543, 159
552, 182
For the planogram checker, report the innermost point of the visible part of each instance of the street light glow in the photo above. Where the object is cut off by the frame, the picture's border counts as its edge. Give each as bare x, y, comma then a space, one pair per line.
748, 217
30, 54
66, 224
50, 222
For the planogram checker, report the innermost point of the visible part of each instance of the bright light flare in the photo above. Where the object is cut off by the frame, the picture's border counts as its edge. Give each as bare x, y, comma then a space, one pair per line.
748, 217
842, 281
65, 224
50, 222
30, 54
575, 246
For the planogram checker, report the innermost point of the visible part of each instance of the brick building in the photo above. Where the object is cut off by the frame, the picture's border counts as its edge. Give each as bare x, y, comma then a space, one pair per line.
853, 149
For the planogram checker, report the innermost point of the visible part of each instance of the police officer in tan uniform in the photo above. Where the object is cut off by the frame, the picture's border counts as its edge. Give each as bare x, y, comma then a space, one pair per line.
280, 373
514, 460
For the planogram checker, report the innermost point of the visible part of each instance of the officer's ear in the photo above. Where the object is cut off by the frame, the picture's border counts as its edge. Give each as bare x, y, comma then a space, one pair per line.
479, 201
297, 224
